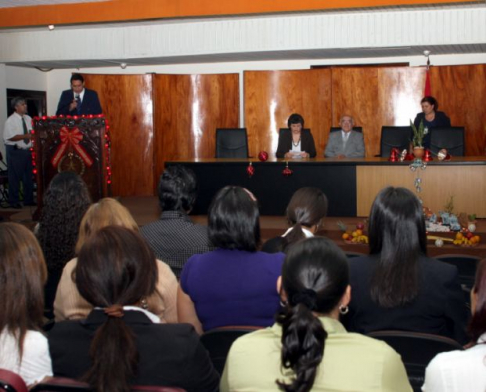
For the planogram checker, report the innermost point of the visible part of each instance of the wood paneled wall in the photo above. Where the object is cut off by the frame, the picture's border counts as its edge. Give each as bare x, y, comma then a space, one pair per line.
271, 96
155, 118
187, 111
461, 92
374, 96
127, 104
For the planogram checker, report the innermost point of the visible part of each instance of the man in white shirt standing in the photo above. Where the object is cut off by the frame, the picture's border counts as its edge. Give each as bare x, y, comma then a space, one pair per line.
17, 138
347, 143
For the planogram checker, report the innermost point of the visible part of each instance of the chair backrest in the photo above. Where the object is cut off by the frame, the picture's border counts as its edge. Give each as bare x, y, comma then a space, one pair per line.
394, 137
350, 255
416, 350
62, 384
466, 267
450, 138
218, 343
357, 129
10, 381
231, 143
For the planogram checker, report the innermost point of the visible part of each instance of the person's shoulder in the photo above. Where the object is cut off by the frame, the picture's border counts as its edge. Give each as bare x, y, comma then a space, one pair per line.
34, 337
363, 343
254, 339
90, 92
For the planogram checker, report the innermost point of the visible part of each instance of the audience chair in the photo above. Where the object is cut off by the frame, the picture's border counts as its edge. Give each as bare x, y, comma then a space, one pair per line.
231, 143
3, 183
61, 384
466, 267
394, 137
11, 382
357, 129
350, 255
450, 138
417, 350
218, 343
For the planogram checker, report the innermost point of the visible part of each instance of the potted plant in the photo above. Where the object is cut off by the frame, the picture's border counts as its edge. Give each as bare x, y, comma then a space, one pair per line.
418, 138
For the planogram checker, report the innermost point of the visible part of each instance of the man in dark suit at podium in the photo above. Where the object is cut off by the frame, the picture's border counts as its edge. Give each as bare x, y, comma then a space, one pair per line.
78, 100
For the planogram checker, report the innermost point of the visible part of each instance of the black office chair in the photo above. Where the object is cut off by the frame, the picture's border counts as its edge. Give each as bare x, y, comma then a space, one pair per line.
357, 129
394, 137
417, 350
11, 382
231, 143
61, 384
218, 343
466, 267
450, 138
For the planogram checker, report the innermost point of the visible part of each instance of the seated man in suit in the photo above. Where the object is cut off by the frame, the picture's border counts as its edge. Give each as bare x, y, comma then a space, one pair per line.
347, 143
78, 100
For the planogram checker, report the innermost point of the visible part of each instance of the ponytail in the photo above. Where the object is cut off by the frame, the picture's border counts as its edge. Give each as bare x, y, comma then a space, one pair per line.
303, 340
294, 235
114, 357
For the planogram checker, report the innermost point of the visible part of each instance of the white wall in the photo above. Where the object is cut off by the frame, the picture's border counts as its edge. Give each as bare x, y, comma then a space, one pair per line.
58, 80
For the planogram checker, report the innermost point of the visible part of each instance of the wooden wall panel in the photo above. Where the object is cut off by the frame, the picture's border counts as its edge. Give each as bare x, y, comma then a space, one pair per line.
461, 93
187, 111
271, 96
127, 104
376, 96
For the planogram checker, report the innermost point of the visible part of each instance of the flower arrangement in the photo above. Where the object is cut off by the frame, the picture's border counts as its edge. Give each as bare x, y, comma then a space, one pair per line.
418, 134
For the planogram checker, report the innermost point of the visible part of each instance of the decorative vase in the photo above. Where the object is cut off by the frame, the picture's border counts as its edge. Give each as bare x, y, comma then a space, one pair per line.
418, 152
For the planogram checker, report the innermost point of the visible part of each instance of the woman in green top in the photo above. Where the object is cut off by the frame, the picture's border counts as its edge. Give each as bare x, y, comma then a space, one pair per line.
308, 348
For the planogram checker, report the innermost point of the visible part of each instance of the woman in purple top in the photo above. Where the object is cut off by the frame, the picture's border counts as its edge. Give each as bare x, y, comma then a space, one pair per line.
235, 284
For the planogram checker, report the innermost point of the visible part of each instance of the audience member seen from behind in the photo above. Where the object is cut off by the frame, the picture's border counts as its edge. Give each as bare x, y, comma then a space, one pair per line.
431, 118
23, 348
298, 143
458, 371
234, 284
305, 212
347, 143
308, 348
397, 287
65, 202
121, 344
174, 237
70, 305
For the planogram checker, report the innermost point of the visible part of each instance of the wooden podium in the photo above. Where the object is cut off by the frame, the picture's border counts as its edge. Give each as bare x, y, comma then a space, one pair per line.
79, 144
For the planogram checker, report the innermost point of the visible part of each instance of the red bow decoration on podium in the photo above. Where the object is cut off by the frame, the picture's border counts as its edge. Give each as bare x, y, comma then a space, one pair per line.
71, 138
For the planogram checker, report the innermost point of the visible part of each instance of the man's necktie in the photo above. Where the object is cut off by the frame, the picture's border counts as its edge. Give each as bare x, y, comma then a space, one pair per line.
78, 106
26, 131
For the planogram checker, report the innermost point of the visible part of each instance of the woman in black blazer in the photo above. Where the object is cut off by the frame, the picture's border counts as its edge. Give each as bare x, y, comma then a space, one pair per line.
397, 287
120, 343
431, 118
298, 143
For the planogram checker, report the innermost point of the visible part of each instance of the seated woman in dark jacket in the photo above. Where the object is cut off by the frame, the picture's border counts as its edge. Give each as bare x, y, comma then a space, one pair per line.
120, 343
397, 287
299, 143
431, 118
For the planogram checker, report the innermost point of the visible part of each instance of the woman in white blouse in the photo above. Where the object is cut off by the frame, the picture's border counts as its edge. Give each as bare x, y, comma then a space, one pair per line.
458, 371
23, 348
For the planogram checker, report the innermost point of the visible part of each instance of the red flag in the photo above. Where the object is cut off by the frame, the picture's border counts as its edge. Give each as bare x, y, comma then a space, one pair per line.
427, 89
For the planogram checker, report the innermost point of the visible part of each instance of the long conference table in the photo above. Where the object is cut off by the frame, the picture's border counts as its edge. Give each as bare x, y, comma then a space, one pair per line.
349, 184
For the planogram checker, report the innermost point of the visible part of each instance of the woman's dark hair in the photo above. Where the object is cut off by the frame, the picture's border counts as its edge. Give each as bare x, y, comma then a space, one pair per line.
22, 277
234, 220
315, 275
295, 118
177, 189
307, 207
115, 267
65, 202
431, 100
477, 325
397, 236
